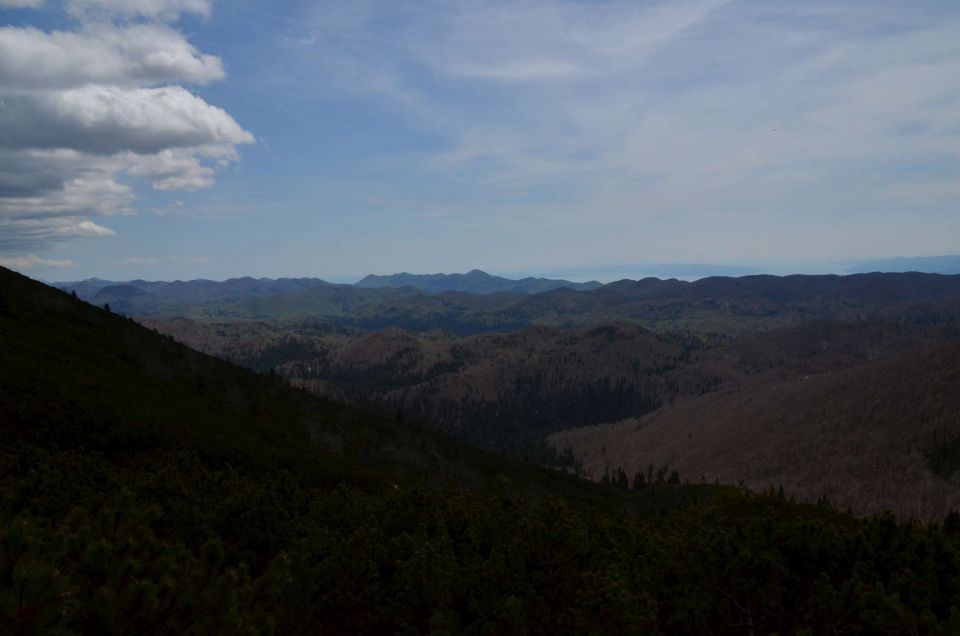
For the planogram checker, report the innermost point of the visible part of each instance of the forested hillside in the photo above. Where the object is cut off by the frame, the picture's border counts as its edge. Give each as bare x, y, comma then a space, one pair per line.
504, 392
880, 436
509, 391
146, 488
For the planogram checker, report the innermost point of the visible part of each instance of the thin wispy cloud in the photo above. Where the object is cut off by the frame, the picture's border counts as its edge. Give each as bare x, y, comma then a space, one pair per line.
138, 260
700, 111
153, 261
32, 262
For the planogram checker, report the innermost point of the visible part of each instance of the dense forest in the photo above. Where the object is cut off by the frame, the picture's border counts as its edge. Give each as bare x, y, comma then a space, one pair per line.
147, 488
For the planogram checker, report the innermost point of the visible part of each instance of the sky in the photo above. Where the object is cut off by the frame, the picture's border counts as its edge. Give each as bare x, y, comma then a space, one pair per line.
165, 139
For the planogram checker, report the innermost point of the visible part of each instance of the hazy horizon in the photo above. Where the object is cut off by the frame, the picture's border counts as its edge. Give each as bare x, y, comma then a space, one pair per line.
612, 273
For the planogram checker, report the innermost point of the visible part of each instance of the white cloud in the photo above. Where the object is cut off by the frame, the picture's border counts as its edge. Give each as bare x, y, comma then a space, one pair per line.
44, 184
24, 233
138, 260
81, 109
169, 209
173, 170
155, 9
21, 4
519, 41
141, 54
107, 120
32, 262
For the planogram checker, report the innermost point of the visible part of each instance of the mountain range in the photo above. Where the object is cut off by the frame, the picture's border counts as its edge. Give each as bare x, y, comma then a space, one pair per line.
709, 305
475, 282
929, 264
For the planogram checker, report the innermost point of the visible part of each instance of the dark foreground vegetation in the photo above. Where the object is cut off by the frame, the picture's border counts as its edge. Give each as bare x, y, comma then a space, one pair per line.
148, 489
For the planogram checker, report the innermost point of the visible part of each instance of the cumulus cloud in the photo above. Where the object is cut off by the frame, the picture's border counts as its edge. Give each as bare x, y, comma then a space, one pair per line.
43, 184
173, 170
81, 109
31, 262
141, 54
107, 120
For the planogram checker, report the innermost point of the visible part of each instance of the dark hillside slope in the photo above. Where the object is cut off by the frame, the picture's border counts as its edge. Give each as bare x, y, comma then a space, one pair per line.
81, 376
197, 477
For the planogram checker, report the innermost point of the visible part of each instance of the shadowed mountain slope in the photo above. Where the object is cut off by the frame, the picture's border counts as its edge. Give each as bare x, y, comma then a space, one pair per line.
83, 376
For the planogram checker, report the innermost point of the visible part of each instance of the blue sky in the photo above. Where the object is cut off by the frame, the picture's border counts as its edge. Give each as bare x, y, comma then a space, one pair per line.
166, 139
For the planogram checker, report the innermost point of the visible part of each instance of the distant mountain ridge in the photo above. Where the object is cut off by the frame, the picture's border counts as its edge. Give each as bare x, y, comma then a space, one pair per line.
710, 305
929, 264
475, 281
199, 287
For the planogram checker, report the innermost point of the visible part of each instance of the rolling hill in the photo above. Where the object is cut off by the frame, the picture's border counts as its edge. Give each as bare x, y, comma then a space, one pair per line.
508, 391
503, 392
878, 436
719, 305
